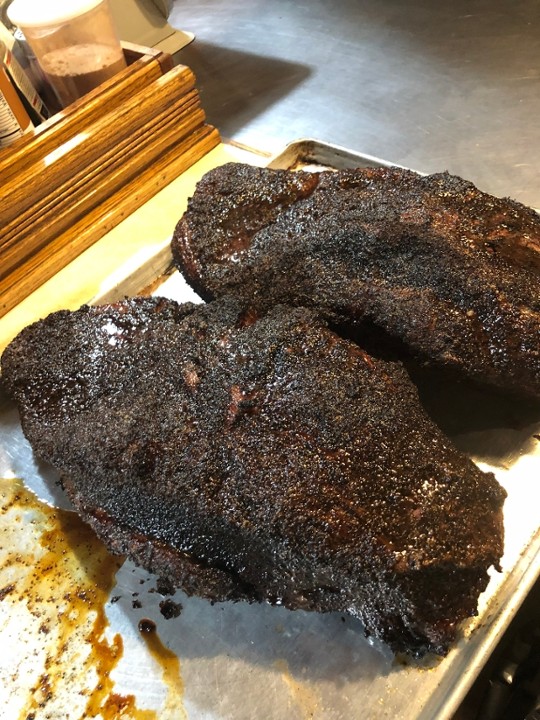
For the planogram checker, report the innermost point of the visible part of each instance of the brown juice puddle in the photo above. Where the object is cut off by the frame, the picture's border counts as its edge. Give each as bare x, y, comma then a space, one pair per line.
57, 576
170, 667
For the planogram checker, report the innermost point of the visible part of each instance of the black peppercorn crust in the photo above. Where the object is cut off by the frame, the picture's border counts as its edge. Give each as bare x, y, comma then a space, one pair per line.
432, 262
260, 456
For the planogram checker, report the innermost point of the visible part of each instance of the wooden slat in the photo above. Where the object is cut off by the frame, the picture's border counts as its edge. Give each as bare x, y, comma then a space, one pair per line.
87, 187
178, 122
81, 173
23, 195
96, 180
134, 51
36, 145
64, 248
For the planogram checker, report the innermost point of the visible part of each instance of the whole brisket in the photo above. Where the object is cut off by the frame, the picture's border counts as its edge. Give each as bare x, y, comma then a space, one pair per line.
450, 272
261, 458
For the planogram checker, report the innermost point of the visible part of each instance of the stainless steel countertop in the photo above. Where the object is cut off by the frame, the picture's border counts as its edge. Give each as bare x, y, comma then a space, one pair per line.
432, 86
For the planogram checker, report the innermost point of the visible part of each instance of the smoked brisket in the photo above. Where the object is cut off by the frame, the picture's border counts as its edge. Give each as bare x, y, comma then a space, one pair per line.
436, 267
243, 455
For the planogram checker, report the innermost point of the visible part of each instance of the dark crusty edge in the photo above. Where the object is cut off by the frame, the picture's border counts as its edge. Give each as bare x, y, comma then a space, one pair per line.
176, 569
173, 567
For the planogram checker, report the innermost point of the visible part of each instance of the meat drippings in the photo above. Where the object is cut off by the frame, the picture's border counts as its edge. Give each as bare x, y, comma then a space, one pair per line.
55, 579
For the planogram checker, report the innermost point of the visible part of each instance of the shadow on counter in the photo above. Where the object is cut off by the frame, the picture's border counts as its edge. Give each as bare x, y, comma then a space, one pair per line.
237, 86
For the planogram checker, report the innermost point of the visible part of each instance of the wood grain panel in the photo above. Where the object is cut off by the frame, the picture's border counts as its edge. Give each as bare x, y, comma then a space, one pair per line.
64, 248
84, 171
60, 127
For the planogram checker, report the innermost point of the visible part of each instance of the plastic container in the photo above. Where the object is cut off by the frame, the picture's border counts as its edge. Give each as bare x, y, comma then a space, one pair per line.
74, 41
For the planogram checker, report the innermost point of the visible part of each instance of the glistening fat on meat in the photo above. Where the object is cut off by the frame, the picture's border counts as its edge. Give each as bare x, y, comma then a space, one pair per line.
437, 268
260, 457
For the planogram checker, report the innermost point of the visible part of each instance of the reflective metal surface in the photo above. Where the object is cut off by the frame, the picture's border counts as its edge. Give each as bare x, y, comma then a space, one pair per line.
241, 661
246, 661
432, 86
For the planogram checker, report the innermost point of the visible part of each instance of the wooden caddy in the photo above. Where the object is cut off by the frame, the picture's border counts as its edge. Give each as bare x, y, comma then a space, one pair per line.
70, 180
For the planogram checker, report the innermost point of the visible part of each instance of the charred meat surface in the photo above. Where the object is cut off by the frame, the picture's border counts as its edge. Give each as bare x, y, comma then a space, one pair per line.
445, 269
261, 457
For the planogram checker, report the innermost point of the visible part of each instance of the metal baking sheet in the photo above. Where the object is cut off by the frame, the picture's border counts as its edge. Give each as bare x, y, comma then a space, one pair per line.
88, 636
310, 154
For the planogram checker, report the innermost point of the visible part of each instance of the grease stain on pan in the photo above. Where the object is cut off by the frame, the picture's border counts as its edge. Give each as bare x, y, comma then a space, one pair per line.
59, 652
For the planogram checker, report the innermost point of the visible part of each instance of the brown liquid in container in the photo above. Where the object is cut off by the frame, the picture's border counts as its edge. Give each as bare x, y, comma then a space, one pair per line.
74, 71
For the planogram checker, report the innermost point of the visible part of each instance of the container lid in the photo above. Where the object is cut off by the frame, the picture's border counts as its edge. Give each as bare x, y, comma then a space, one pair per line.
37, 13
